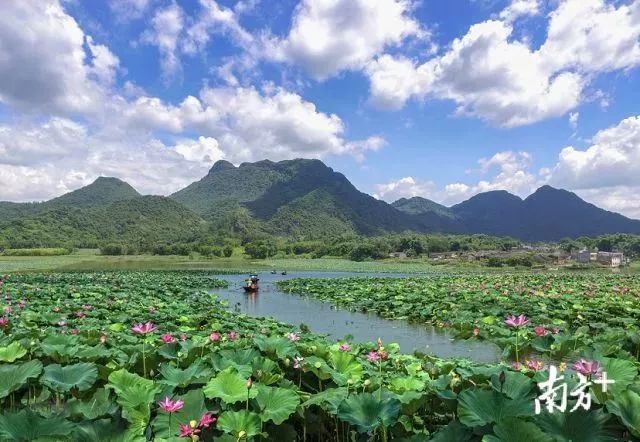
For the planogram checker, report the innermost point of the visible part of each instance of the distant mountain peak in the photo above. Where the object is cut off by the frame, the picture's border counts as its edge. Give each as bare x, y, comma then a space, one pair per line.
221, 165
103, 191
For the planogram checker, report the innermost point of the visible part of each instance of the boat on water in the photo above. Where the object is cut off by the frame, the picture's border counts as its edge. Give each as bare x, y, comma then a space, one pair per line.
251, 284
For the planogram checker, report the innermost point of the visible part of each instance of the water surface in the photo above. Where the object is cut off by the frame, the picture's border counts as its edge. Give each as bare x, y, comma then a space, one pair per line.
322, 317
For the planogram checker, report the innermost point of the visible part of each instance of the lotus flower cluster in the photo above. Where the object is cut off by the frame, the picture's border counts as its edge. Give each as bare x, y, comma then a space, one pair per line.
540, 331
587, 368
535, 365
143, 329
193, 428
344, 347
4, 322
519, 321
293, 337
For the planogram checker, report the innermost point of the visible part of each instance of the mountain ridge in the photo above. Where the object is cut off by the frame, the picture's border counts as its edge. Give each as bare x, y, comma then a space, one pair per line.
305, 198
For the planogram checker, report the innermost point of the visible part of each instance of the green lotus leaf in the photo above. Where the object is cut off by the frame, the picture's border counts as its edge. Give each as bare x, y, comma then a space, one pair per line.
193, 409
407, 383
93, 353
516, 385
134, 395
230, 387
101, 430
100, 404
579, 425
177, 377
266, 371
626, 406
454, 432
621, 371
237, 422
329, 400
276, 345
512, 429
80, 376
346, 367
12, 377
28, 426
60, 346
367, 411
12, 352
276, 404
481, 407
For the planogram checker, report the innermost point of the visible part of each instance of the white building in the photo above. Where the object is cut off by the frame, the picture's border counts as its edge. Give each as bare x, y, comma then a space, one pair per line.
612, 259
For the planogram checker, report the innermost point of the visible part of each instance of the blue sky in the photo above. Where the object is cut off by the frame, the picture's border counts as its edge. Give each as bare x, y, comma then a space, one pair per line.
405, 97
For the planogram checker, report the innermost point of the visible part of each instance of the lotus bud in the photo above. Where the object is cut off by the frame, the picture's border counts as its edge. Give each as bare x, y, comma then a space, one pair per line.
317, 365
242, 434
367, 383
152, 373
350, 381
249, 383
287, 362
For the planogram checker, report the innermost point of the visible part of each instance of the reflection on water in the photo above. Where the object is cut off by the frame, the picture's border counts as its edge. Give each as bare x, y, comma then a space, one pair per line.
322, 317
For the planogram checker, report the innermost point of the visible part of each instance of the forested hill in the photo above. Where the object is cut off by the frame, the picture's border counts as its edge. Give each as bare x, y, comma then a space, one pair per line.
300, 198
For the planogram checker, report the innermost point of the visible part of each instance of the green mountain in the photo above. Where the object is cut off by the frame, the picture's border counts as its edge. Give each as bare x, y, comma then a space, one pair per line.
103, 191
547, 215
138, 222
419, 206
297, 197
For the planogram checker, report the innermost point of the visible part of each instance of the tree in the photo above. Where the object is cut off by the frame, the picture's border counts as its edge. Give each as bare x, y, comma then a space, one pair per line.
227, 251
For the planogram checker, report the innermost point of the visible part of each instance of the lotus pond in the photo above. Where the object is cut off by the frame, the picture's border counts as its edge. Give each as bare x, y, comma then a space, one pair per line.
125, 356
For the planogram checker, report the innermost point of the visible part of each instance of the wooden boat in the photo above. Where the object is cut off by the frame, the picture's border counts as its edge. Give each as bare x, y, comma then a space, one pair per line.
251, 284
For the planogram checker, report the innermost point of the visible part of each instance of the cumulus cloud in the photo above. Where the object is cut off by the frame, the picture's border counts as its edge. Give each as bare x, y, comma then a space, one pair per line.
329, 36
406, 187
613, 159
512, 174
86, 126
166, 27
43, 66
492, 75
520, 8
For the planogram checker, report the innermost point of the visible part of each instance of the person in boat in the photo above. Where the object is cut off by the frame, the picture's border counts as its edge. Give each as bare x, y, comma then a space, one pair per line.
251, 283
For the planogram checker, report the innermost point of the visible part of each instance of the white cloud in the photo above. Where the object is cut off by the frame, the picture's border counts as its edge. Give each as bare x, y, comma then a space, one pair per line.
513, 175
43, 62
84, 126
166, 26
406, 187
520, 8
126, 10
329, 36
573, 119
612, 160
214, 19
491, 75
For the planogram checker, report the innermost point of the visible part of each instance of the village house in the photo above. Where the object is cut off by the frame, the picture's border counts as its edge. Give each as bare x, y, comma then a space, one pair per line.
612, 259
582, 256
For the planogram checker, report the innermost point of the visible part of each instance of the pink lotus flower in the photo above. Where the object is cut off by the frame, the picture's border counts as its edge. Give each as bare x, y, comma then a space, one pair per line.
293, 337
297, 362
344, 347
171, 406
143, 329
519, 321
103, 338
373, 356
587, 368
167, 338
8, 309
540, 331
535, 365
207, 420
555, 330
74, 331
214, 337
22, 303
232, 335
56, 309
383, 355
187, 431
516, 365
476, 331
80, 315
183, 337
4, 322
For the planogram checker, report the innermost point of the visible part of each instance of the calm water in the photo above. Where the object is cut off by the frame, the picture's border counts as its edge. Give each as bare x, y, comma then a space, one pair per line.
321, 317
